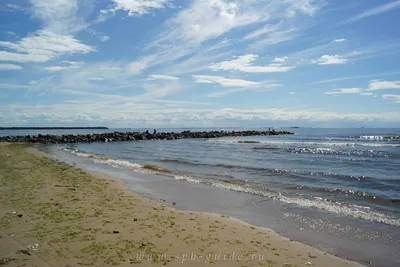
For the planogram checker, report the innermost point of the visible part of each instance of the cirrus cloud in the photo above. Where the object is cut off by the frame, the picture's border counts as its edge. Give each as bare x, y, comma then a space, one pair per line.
9, 67
43, 46
330, 60
381, 85
226, 82
245, 64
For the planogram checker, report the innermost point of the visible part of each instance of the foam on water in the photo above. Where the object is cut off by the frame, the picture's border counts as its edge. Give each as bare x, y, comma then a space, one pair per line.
188, 179
379, 137
103, 160
356, 211
348, 144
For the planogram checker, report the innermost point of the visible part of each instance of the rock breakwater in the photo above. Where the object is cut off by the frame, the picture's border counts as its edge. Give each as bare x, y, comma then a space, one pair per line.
130, 136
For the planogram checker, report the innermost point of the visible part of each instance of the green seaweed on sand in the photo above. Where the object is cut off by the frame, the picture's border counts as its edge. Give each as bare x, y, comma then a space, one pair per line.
234, 182
155, 168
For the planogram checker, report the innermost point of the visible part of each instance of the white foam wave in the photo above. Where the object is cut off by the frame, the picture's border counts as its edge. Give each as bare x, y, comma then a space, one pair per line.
379, 137
340, 208
337, 208
241, 142
103, 160
188, 179
355, 211
119, 163
227, 186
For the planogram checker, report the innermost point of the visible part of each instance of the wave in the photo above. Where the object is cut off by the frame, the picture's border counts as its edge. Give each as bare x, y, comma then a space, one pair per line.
380, 137
238, 186
378, 200
356, 211
329, 151
340, 144
287, 173
114, 162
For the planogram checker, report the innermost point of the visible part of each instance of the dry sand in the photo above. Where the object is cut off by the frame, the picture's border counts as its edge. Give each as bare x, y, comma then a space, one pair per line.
79, 218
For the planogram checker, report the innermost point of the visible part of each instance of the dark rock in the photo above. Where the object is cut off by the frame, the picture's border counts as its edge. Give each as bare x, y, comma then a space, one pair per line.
131, 136
20, 215
24, 251
115, 232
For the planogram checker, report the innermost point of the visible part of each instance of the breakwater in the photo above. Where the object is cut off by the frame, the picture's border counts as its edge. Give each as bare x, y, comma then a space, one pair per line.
53, 128
130, 136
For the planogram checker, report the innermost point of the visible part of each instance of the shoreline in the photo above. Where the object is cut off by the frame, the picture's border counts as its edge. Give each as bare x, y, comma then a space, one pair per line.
143, 225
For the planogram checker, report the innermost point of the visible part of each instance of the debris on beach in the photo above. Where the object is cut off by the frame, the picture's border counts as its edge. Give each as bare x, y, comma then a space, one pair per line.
34, 247
24, 251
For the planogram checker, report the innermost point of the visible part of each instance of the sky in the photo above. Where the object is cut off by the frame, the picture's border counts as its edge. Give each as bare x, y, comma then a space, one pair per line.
200, 63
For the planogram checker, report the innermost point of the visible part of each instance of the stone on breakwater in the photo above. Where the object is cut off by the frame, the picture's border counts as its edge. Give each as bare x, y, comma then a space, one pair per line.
130, 136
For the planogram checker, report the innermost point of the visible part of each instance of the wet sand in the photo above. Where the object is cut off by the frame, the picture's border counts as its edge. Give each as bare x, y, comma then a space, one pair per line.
81, 218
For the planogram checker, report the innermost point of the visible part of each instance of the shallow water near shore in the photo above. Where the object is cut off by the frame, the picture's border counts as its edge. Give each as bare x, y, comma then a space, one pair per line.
335, 189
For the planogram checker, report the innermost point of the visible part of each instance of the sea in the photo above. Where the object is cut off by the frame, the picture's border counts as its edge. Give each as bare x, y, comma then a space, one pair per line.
335, 189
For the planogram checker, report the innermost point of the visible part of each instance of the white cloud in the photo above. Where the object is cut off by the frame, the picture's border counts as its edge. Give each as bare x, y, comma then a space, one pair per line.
381, 85
329, 60
13, 7
292, 93
162, 77
241, 89
271, 35
206, 20
307, 7
104, 38
226, 82
16, 57
9, 67
226, 92
56, 68
281, 59
356, 77
96, 79
42, 46
138, 7
339, 40
344, 91
130, 114
65, 65
59, 16
376, 11
244, 64
366, 94
160, 90
203, 24
138, 66
395, 98
262, 32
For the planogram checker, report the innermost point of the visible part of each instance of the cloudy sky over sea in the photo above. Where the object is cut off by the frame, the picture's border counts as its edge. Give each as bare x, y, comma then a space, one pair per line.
134, 63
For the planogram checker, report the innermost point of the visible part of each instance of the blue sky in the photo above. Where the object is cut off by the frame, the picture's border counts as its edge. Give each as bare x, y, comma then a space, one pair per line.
203, 63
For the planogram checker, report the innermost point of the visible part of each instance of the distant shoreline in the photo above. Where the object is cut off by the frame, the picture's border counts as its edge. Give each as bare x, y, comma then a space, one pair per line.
53, 128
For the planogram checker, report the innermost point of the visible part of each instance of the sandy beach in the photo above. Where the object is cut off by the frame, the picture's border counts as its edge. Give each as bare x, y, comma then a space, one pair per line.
53, 214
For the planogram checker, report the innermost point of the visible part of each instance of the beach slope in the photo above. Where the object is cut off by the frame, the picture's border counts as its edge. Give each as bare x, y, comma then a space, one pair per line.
52, 214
